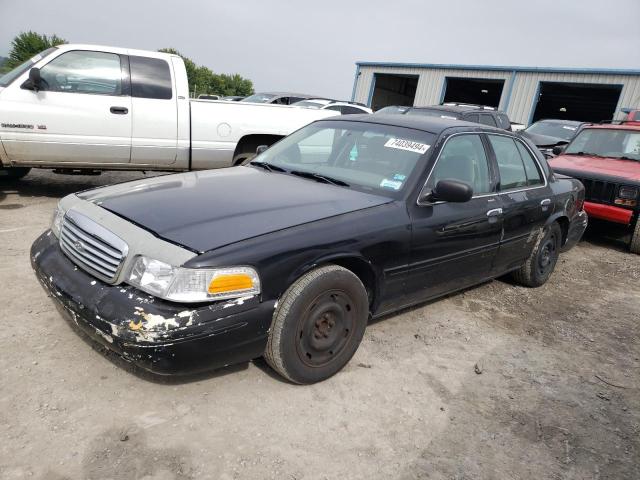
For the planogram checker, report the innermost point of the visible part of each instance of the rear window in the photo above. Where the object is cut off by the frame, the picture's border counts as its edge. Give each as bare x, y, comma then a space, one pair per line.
150, 78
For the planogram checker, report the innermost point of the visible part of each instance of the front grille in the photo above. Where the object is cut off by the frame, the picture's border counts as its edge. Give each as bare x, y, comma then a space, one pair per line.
599, 191
92, 247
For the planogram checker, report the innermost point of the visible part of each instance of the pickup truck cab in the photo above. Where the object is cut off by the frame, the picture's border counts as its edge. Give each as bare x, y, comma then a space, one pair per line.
84, 107
606, 159
344, 220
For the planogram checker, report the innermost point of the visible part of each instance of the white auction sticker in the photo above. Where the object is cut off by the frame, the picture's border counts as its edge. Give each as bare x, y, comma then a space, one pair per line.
566, 127
408, 145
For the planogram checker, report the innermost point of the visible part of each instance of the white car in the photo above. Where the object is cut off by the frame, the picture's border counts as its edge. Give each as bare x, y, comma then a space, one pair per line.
81, 108
345, 108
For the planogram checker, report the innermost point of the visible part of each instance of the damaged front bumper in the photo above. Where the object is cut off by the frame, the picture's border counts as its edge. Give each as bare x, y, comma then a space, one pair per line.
160, 336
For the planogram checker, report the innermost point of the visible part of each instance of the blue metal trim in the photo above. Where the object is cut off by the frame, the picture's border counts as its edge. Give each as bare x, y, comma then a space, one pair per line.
443, 91
371, 89
507, 98
536, 98
607, 71
355, 83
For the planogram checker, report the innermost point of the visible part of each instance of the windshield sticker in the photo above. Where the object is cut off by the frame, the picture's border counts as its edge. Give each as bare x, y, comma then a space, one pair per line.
407, 145
566, 127
399, 176
36, 59
448, 117
392, 184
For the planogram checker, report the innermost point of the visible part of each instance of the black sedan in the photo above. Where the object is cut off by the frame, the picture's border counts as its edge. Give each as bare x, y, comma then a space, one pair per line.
290, 256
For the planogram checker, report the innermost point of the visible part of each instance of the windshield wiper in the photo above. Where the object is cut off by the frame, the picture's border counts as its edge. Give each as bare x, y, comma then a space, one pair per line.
268, 166
319, 177
582, 154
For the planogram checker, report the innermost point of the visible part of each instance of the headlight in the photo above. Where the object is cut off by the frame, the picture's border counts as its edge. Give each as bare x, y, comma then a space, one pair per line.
192, 284
56, 221
626, 196
628, 193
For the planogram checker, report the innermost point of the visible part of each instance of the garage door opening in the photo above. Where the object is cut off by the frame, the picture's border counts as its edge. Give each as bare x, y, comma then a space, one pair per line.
393, 90
477, 91
586, 102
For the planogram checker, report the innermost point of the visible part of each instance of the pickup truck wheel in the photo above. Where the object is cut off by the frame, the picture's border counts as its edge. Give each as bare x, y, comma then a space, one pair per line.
634, 246
318, 325
542, 261
14, 173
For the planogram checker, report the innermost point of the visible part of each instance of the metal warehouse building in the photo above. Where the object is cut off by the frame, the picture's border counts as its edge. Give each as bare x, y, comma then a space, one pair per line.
527, 94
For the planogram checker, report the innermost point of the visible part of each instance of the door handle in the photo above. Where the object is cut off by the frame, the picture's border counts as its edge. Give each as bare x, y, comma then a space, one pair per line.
494, 213
545, 202
119, 110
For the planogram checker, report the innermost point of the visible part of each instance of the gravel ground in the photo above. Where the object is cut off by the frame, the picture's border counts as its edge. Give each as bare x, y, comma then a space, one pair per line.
497, 382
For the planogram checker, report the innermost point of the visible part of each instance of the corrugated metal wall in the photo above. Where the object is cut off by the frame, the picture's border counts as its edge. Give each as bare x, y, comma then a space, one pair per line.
520, 97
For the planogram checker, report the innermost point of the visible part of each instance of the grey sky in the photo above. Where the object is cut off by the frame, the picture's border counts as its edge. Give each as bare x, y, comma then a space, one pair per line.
312, 46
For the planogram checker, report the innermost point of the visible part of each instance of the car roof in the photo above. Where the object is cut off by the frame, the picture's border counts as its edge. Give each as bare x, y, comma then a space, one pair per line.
614, 126
457, 108
434, 125
560, 121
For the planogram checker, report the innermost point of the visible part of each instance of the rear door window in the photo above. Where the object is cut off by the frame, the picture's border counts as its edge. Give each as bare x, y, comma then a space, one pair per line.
472, 117
534, 176
150, 78
504, 121
510, 164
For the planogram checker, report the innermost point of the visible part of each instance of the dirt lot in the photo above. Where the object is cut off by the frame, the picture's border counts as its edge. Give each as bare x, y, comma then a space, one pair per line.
558, 395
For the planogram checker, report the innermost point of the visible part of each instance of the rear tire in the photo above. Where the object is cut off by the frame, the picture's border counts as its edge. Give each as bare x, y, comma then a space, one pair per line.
13, 173
542, 261
318, 325
634, 246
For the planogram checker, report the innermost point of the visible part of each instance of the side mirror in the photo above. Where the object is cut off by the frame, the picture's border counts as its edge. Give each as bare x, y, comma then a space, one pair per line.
452, 191
35, 80
558, 149
261, 149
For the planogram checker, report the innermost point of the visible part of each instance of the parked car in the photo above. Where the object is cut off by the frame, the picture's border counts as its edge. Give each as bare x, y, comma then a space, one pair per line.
81, 108
347, 219
546, 134
469, 113
345, 108
233, 98
278, 98
632, 116
606, 159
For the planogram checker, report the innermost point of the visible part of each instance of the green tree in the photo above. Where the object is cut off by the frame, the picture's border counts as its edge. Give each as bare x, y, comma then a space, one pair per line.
202, 80
27, 44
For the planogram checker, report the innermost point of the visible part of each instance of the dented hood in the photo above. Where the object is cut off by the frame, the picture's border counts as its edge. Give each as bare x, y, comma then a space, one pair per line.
209, 209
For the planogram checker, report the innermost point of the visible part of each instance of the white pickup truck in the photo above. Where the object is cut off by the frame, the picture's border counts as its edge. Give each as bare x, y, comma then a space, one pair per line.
83, 108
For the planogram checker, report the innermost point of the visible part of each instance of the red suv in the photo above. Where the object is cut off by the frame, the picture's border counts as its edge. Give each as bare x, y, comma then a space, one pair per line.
606, 159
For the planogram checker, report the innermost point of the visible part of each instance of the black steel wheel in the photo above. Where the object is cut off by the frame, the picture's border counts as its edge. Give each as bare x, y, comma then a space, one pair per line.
318, 325
543, 258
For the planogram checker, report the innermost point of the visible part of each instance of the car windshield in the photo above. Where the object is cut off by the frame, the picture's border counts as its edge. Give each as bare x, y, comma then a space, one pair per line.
259, 98
427, 112
309, 104
362, 156
553, 129
606, 142
393, 109
11, 75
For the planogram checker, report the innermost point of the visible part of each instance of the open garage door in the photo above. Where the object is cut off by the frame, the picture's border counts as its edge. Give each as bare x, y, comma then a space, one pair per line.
586, 102
392, 89
477, 91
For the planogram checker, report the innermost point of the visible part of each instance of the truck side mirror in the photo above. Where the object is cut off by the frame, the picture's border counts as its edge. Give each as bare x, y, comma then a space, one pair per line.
35, 80
261, 149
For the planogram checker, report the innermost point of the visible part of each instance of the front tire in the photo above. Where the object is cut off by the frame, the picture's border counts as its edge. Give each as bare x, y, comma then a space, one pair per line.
634, 246
318, 325
542, 261
13, 173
